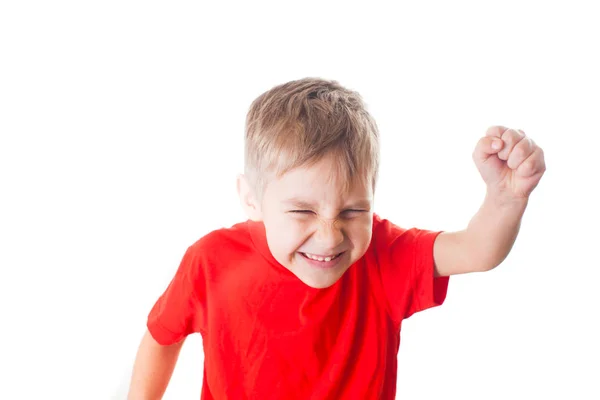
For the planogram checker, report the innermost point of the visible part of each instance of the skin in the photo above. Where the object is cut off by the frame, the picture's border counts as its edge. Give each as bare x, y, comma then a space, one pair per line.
511, 165
153, 368
322, 224
509, 162
306, 211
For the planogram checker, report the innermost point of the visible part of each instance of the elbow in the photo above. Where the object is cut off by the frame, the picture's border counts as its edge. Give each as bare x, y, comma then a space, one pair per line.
485, 264
486, 260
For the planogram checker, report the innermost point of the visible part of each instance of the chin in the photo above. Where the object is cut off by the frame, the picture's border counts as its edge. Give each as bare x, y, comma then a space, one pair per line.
319, 283
317, 279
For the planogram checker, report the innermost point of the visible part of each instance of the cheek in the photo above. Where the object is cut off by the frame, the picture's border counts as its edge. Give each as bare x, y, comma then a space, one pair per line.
298, 234
360, 234
290, 235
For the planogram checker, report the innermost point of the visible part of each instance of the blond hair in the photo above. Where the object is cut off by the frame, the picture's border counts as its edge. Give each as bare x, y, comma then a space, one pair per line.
301, 122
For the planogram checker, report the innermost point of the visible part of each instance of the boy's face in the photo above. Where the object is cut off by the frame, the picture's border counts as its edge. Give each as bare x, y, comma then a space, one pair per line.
313, 228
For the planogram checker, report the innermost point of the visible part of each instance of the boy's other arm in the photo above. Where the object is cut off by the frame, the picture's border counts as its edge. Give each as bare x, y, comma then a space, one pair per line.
511, 165
154, 365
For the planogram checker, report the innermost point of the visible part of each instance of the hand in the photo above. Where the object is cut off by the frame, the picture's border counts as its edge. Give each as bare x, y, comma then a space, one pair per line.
509, 162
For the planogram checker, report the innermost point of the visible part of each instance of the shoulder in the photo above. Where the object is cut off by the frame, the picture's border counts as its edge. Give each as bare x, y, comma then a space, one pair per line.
224, 240
385, 232
219, 247
389, 238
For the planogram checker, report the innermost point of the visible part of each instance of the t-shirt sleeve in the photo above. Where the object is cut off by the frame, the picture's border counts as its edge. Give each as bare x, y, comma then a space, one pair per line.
407, 269
179, 311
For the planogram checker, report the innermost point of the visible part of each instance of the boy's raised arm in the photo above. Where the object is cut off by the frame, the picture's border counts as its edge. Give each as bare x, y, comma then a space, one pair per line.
154, 365
511, 165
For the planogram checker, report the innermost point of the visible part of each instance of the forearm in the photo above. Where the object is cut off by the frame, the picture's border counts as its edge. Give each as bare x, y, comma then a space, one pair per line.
152, 370
493, 230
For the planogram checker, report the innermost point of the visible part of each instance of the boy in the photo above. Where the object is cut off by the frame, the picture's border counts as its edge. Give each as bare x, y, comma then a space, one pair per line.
305, 300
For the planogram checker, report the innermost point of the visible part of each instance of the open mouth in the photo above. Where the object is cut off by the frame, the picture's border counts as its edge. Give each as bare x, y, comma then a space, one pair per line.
319, 258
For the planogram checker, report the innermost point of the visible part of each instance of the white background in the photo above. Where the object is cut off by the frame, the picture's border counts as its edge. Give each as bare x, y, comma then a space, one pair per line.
121, 129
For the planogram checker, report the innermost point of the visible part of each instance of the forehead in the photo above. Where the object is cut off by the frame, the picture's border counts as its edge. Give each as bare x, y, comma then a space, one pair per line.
319, 184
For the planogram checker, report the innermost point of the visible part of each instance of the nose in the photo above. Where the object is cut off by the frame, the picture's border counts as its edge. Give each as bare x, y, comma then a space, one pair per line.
329, 235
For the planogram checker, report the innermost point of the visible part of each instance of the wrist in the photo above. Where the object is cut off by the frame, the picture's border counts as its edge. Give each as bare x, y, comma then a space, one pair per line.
502, 201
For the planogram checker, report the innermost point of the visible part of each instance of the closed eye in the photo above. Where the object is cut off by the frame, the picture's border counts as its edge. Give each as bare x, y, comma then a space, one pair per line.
352, 213
345, 214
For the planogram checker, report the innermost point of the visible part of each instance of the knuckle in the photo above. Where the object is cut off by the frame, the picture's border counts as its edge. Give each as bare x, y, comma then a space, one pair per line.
518, 152
491, 129
529, 166
509, 135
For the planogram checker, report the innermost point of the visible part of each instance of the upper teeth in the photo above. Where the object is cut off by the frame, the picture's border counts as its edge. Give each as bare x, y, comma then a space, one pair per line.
319, 258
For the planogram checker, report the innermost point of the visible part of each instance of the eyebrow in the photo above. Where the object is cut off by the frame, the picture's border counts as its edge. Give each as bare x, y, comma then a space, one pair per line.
301, 203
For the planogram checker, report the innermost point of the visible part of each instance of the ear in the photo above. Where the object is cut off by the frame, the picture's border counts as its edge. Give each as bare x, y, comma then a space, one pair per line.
248, 199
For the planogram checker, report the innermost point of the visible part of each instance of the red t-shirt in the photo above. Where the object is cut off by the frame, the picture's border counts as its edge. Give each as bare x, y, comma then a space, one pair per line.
267, 335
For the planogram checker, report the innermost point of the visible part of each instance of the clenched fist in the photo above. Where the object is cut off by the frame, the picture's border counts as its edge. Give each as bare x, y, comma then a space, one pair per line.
509, 162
